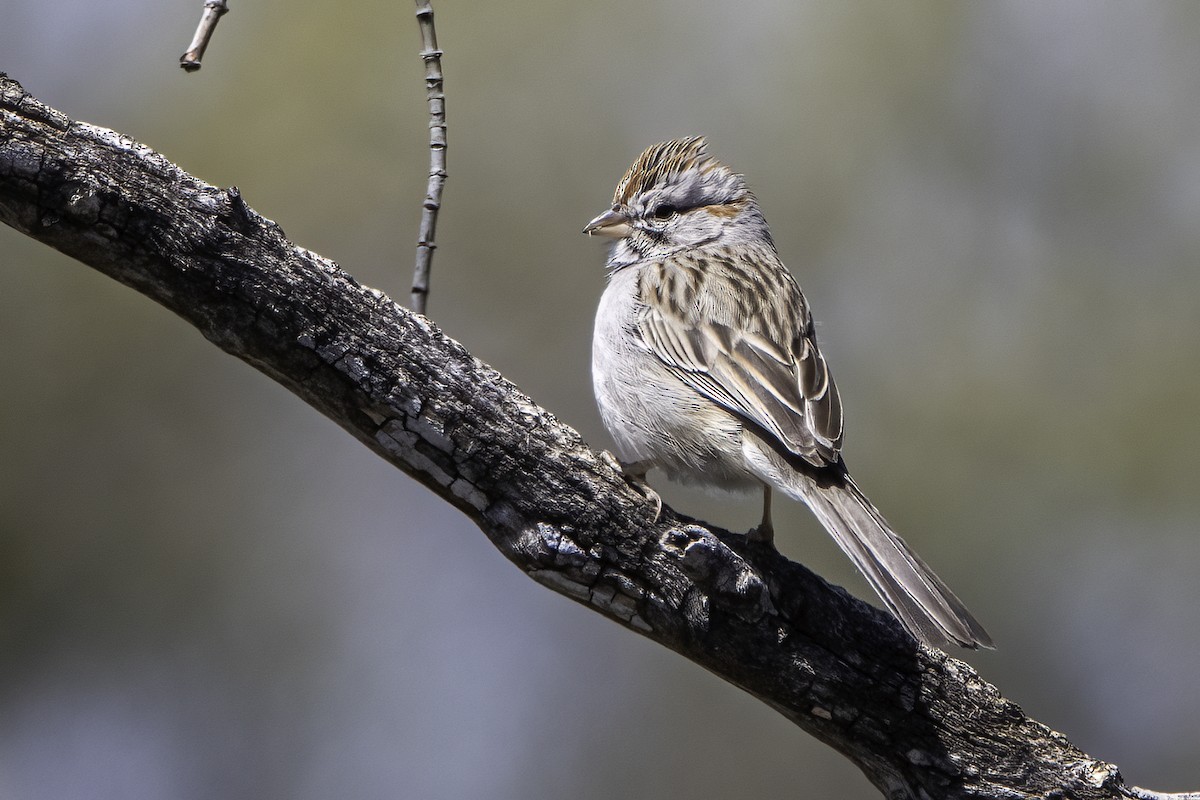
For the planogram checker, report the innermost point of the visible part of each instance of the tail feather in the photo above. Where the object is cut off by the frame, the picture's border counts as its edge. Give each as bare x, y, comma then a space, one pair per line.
907, 586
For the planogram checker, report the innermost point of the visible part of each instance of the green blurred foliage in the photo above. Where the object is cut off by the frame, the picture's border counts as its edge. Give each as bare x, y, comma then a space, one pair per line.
207, 590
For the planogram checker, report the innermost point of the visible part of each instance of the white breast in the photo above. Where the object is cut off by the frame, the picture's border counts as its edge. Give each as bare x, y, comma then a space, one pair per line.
651, 414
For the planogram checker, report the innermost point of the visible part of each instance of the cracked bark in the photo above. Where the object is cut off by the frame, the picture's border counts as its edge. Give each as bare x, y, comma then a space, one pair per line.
918, 723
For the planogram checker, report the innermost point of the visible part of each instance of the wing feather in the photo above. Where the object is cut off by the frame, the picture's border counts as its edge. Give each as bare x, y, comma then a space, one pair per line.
776, 379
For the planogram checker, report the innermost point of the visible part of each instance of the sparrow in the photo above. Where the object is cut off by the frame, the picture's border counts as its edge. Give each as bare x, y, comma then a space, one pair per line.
705, 365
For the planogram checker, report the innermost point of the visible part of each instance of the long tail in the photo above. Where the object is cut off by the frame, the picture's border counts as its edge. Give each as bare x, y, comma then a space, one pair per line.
908, 587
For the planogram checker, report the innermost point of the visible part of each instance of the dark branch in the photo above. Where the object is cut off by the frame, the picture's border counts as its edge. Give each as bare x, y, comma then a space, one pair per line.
213, 11
436, 96
917, 722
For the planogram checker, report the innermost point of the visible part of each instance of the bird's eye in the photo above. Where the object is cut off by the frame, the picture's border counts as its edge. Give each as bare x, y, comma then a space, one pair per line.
665, 211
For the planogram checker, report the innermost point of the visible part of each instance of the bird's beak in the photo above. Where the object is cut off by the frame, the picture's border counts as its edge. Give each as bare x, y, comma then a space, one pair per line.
612, 224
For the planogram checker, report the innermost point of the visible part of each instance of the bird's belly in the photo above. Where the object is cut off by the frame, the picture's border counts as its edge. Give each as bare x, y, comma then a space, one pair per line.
655, 418
699, 445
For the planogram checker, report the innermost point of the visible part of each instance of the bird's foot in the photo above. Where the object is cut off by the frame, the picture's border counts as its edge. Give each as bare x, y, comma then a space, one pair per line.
635, 476
763, 533
638, 481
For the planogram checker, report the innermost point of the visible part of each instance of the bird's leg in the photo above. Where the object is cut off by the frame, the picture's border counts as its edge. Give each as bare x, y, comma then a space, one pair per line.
765, 532
635, 474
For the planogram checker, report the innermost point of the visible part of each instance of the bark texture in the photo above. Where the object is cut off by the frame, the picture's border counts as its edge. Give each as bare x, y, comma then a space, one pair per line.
919, 723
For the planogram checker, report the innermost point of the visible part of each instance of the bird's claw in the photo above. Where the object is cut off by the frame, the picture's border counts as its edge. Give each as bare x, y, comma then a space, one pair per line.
761, 534
643, 487
635, 476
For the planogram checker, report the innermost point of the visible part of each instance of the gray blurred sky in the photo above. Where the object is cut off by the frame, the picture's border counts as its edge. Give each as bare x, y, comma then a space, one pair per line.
207, 590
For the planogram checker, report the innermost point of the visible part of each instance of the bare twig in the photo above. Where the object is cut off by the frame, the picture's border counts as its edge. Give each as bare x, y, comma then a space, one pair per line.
213, 9
436, 96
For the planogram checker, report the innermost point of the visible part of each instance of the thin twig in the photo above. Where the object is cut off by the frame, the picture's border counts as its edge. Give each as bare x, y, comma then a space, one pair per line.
213, 9
436, 96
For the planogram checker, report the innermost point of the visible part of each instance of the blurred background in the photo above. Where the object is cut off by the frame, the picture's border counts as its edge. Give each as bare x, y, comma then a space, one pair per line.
208, 590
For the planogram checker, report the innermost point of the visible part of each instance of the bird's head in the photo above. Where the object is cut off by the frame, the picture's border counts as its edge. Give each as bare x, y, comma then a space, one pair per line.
675, 197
